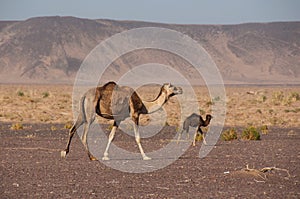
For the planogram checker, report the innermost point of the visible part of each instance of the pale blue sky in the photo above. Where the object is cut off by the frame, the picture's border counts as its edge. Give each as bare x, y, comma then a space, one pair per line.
165, 11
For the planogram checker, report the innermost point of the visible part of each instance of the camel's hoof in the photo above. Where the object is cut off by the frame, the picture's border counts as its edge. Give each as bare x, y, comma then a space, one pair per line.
92, 158
146, 158
63, 154
105, 158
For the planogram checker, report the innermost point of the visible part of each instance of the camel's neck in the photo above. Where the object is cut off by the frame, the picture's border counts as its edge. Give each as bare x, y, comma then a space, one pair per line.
206, 122
156, 104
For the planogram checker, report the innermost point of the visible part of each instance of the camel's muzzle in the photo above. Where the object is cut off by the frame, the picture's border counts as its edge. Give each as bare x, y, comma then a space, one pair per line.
178, 90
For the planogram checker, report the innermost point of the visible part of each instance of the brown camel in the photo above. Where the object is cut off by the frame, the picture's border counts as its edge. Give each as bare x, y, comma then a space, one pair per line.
116, 103
195, 120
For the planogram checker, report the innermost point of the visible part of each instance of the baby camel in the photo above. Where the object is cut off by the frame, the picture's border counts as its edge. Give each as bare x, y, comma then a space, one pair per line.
195, 120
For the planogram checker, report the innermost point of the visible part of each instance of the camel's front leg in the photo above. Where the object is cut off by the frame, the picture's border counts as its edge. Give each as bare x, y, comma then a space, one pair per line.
138, 141
84, 140
204, 141
202, 134
77, 124
110, 138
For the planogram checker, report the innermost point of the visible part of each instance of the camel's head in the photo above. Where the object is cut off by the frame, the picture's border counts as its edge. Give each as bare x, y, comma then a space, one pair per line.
208, 117
171, 90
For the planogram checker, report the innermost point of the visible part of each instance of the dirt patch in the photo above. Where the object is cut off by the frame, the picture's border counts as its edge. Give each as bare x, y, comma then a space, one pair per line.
31, 167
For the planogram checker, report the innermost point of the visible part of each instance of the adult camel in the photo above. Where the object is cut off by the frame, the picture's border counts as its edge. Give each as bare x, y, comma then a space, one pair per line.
116, 103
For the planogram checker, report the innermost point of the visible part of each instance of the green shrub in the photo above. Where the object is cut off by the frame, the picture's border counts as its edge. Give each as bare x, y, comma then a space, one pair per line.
45, 94
20, 93
250, 133
229, 134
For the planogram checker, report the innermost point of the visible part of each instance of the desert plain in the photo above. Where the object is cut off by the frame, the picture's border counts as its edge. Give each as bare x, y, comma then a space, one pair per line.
35, 120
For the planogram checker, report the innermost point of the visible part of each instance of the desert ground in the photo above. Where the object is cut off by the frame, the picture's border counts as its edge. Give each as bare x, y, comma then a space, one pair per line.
34, 129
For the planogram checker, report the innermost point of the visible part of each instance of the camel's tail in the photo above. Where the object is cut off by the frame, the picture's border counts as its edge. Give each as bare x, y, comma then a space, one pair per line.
81, 118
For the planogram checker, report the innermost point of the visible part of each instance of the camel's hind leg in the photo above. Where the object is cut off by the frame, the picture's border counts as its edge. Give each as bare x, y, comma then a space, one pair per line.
184, 128
90, 116
77, 124
87, 116
84, 139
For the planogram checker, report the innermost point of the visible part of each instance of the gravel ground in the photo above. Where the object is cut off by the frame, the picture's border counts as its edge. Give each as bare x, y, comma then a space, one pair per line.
31, 167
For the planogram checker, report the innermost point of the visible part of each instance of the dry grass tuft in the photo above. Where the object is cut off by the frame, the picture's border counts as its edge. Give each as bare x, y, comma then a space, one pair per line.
68, 125
199, 137
250, 133
17, 126
229, 134
264, 129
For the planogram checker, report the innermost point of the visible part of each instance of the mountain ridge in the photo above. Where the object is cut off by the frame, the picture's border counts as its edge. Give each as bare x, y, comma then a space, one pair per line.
51, 49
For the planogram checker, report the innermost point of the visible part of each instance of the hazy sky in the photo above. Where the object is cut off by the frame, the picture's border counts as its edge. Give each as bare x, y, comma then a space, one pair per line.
167, 11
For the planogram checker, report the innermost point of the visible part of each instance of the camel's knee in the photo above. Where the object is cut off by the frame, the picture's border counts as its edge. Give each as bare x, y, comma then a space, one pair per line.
138, 139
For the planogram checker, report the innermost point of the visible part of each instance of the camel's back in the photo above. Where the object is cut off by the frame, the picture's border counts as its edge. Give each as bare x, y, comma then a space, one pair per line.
116, 100
194, 120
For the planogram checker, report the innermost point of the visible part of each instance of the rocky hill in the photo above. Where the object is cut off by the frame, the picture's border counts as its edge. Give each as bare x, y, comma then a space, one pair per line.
51, 49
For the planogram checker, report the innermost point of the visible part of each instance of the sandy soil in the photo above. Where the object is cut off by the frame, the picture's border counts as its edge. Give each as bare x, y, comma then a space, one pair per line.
31, 167
271, 106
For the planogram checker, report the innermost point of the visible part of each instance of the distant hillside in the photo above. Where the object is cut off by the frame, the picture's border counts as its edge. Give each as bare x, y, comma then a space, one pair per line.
51, 49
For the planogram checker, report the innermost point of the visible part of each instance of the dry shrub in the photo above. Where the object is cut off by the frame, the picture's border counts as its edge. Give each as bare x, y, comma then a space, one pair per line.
277, 97
250, 133
45, 94
17, 126
199, 137
294, 96
68, 125
53, 128
229, 134
264, 129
